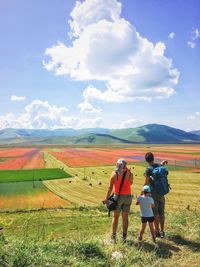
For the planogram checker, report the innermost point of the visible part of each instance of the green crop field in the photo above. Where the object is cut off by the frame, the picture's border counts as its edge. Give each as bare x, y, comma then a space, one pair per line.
30, 175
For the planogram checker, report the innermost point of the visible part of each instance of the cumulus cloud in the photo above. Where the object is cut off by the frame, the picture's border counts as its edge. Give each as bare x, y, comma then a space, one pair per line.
92, 11
17, 98
106, 47
191, 44
90, 123
131, 123
171, 35
42, 115
194, 116
38, 114
88, 107
195, 34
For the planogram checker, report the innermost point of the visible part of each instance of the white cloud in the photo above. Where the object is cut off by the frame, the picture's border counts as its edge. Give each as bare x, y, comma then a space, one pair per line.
191, 117
191, 44
41, 115
195, 34
88, 107
90, 123
92, 11
106, 47
38, 114
195, 116
171, 35
17, 98
131, 123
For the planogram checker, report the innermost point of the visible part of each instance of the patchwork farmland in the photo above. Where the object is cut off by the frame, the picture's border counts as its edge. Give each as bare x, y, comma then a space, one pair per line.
59, 193
45, 173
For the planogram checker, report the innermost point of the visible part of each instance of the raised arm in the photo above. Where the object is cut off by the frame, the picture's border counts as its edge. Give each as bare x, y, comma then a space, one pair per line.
164, 162
130, 176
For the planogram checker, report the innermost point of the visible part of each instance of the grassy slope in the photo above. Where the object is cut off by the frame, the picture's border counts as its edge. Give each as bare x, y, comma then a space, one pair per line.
128, 134
30, 175
81, 238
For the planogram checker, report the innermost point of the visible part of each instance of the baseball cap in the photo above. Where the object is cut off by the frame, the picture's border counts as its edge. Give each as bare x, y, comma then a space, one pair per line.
146, 188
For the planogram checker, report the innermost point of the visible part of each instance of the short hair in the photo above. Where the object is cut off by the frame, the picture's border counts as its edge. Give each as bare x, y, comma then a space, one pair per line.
149, 157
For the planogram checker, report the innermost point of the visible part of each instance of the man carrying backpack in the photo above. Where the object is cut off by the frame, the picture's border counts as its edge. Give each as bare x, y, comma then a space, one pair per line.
156, 177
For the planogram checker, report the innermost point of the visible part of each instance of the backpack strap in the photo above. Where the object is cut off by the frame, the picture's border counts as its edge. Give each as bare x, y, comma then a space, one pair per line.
122, 181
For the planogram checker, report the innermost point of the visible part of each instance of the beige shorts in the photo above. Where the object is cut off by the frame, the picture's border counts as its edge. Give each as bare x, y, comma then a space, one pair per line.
124, 203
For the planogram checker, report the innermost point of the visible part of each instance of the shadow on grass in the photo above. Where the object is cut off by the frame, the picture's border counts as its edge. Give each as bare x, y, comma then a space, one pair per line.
179, 240
161, 249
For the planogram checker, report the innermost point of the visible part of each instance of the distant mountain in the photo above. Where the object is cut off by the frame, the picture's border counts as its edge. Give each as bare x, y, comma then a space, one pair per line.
24, 133
196, 132
156, 133
151, 133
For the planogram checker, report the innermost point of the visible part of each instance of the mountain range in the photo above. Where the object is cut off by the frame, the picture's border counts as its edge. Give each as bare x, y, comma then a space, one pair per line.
151, 133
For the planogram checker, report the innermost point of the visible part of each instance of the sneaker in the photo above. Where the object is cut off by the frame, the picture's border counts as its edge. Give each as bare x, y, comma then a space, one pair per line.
158, 234
154, 239
124, 237
162, 234
113, 238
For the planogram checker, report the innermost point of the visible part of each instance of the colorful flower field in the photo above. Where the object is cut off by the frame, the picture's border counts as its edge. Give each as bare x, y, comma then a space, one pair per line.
23, 196
79, 157
21, 158
30, 158
33, 193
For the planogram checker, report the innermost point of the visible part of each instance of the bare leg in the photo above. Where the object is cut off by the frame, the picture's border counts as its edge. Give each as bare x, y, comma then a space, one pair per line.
151, 226
143, 226
125, 222
115, 222
156, 223
162, 222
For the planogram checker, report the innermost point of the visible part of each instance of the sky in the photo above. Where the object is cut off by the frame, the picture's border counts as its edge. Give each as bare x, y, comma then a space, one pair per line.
99, 63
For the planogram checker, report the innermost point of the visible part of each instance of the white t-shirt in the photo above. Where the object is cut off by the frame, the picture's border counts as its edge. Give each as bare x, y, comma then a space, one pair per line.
145, 205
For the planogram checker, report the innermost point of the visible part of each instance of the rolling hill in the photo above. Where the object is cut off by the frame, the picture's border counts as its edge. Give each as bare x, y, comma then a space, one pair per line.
151, 133
196, 132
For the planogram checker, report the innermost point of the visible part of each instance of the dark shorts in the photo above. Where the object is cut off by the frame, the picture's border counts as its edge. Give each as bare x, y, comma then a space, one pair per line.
147, 219
159, 202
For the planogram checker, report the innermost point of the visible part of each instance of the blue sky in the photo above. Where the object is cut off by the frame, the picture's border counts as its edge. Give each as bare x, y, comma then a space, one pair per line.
116, 64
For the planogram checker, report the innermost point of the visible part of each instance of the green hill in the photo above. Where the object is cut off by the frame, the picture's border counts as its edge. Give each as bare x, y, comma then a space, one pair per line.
155, 133
151, 133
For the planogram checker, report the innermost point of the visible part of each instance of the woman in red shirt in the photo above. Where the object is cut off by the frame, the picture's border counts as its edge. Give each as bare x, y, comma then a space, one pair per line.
124, 200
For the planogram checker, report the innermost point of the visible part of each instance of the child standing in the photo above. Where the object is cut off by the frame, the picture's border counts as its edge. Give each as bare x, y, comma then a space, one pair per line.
146, 203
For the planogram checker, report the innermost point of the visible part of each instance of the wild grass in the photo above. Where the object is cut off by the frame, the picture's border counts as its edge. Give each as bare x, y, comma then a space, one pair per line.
82, 238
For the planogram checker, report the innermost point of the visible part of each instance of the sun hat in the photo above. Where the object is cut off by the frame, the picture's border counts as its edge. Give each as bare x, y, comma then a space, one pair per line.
146, 188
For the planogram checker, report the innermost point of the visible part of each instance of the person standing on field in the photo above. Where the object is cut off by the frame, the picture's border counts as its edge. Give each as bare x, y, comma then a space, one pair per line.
124, 200
159, 199
146, 203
